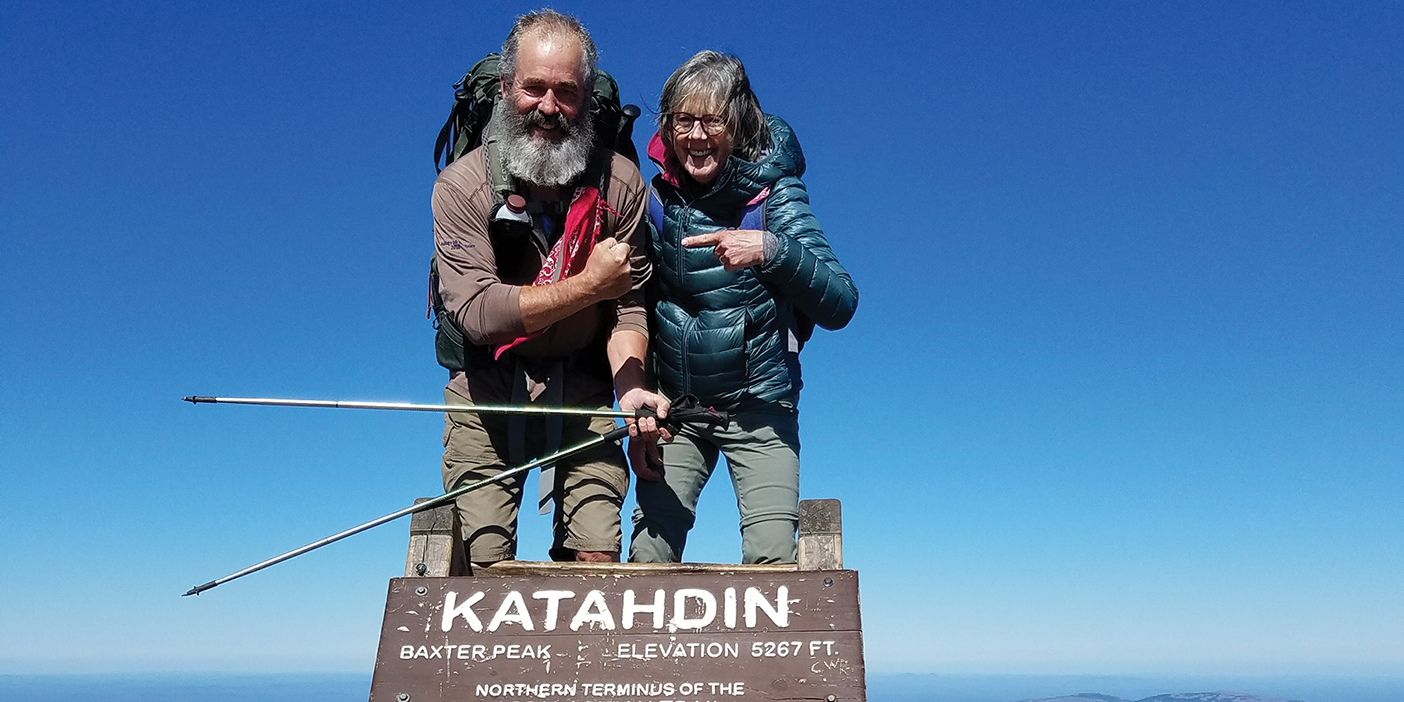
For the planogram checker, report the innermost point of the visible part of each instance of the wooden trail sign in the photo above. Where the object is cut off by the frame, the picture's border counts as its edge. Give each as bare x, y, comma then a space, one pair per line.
519, 632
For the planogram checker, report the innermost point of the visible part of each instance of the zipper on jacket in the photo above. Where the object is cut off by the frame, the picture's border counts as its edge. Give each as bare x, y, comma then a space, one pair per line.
682, 347
682, 250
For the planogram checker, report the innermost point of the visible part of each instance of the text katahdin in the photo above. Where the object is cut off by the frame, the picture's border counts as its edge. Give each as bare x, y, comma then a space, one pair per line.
692, 608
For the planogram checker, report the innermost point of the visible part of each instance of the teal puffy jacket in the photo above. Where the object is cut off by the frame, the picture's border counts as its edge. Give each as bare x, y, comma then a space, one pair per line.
725, 336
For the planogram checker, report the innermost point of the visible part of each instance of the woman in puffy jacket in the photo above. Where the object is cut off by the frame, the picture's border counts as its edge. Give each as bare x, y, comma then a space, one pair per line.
742, 273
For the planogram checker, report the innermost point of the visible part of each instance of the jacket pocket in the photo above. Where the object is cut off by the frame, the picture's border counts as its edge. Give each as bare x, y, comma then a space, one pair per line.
702, 353
716, 349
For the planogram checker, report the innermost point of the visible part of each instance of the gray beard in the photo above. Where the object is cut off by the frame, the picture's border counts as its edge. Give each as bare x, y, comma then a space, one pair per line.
541, 161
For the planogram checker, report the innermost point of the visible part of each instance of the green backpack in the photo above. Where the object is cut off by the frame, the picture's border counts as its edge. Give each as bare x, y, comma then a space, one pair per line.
478, 91
474, 97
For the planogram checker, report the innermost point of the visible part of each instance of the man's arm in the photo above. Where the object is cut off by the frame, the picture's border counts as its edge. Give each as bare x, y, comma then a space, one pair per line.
485, 308
627, 345
626, 349
606, 276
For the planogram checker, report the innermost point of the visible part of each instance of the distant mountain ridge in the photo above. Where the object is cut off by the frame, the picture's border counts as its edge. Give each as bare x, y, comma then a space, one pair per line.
1174, 697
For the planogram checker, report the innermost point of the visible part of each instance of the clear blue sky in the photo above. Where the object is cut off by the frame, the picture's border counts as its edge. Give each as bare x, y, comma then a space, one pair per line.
1123, 394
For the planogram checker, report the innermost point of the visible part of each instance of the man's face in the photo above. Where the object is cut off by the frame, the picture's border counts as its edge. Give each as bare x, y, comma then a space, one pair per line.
547, 88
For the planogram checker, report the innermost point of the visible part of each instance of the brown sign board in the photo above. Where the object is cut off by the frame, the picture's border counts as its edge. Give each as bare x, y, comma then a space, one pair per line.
667, 637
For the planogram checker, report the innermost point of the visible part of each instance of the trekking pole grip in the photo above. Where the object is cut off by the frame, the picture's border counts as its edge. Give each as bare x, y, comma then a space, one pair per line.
686, 410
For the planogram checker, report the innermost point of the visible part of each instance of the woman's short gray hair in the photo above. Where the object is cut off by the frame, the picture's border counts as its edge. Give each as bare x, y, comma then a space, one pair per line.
552, 24
717, 79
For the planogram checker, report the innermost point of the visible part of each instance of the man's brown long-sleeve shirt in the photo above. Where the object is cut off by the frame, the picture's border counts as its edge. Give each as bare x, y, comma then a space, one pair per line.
484, 301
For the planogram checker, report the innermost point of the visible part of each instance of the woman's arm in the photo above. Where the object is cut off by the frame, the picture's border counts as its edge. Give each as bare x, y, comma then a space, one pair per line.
804, 268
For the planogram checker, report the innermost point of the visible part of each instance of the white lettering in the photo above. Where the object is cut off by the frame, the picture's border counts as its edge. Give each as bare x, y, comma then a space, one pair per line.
522, 690
780, 614
640, 689
453, 610
512, 609
709, 608
691, 609
630, 608
729, 608
553, 604
594, 600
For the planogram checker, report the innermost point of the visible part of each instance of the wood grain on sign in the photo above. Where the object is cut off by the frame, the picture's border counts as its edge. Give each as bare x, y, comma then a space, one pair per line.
820, 542
600, 637
434, 543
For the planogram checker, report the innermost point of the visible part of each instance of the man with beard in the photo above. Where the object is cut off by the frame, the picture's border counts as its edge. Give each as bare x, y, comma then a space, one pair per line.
541, 266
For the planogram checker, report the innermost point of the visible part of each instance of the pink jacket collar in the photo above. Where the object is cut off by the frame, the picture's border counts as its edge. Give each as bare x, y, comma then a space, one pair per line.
658, 152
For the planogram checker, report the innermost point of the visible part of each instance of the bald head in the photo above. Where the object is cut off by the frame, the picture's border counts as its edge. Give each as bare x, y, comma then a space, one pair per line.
552, 31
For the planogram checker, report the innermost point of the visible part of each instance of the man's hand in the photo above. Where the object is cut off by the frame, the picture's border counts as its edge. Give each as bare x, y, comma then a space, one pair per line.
735, 248
646, 459
645, 427
644, 432
607, 271
606, 276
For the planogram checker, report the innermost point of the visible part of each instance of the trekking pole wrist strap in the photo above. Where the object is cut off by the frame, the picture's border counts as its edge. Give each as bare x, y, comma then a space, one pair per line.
686, 410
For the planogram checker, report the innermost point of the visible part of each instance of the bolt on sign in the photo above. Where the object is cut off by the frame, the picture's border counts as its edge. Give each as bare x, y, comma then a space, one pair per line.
668, 637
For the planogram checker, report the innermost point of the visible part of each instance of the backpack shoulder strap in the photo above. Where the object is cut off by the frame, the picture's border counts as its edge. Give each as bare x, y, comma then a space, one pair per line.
754, 216
474, 96
500, 182
446, 138
655, 208
603, 159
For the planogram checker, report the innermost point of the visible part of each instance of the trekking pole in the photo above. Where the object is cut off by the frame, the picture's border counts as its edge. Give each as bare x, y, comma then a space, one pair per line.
415, 407
685, 411
615, 435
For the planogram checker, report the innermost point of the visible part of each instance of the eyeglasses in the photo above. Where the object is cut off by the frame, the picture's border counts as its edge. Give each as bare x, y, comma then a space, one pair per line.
683, 122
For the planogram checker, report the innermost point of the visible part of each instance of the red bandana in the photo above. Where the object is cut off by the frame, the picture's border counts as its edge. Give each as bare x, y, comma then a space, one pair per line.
568, 256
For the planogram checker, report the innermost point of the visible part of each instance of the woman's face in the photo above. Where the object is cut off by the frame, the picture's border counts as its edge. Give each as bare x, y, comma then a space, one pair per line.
701, 153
